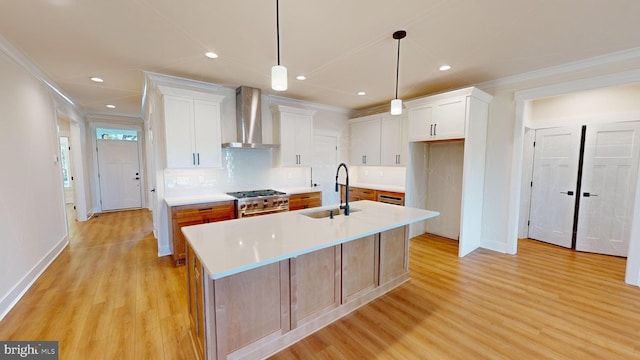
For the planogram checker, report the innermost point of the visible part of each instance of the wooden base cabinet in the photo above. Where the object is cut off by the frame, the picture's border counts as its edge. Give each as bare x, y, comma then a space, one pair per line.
258, 312
195, 282
389, 197
305, 200
187, 215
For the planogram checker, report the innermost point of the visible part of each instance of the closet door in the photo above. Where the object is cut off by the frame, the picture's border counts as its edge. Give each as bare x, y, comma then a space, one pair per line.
608, 188
555, 173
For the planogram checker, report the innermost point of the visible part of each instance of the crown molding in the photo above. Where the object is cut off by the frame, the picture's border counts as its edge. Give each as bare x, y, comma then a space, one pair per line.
616, 57
281, 100
20, 59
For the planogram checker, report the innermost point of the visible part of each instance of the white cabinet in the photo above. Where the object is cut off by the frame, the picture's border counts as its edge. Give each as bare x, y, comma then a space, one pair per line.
365, 141
449, 176
438, 119
377, 140
192, 128
293, 130
392, 141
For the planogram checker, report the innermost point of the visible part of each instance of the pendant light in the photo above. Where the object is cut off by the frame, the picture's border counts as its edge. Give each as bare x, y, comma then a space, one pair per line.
396, 104
278, 72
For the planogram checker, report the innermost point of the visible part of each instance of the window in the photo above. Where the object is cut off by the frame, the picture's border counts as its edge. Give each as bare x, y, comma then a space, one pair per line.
64, 161
116, 134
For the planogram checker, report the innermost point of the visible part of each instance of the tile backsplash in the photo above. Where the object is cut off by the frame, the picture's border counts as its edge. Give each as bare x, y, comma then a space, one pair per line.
242, 169
380, 175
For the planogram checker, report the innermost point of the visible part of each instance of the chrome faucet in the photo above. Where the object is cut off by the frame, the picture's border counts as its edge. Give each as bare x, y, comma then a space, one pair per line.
346, 189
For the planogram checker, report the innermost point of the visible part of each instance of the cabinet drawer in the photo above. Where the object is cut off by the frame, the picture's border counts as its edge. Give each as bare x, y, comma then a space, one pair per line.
305, 200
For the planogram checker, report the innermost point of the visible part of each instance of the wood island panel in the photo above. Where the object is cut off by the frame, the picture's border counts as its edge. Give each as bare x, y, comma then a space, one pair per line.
393, 254
315, 284
359, 266
247, 307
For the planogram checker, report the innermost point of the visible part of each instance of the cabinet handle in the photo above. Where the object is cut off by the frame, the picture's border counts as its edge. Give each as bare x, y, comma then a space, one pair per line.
205, 209
435, 132
193, 155
198, 158
431, 130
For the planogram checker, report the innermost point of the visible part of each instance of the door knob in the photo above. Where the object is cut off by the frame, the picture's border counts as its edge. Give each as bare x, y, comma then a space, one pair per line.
570, 193
586, 194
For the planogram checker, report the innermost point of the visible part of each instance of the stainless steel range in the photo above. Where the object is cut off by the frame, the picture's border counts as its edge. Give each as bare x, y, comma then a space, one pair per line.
260, 202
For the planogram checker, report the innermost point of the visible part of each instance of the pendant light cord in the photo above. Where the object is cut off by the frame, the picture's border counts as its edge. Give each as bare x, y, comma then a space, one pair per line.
397, 68
278, 30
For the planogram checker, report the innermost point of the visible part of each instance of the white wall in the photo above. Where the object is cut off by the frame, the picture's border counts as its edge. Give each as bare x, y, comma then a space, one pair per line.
32, 220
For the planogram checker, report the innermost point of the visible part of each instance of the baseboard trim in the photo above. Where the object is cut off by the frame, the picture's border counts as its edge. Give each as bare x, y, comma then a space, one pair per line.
164, 251
494, 245
12, 298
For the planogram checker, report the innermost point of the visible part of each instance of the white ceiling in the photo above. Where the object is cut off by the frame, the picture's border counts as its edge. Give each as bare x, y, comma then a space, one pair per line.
342, 46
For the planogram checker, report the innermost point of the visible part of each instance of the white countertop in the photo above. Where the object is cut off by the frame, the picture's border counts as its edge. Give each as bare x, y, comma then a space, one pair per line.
197, 199
229, 247
299, 190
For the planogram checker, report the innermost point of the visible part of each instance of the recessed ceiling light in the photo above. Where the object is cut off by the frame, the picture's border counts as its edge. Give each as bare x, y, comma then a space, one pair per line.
111, 106
445, 67
211, 55
362, 93
96, 79
301, 77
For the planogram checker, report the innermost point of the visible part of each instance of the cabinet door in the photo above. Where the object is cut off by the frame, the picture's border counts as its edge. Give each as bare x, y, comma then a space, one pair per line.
207, 134
178, 124
179, 242
359, 267
365, 142
391, 143
296, 139
304, 139
450, 119
393, 254
421, 123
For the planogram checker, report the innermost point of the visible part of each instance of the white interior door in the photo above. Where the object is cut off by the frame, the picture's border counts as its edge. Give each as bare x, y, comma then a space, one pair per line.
119, 174
555, 174
608, 188
324, 166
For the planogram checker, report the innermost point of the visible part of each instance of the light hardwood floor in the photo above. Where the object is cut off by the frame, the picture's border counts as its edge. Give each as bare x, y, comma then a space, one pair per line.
108, 296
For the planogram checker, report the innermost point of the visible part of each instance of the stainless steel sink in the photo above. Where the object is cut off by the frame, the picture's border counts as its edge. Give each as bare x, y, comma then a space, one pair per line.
321, 214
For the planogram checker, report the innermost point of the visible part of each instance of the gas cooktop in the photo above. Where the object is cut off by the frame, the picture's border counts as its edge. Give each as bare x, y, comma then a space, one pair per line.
254, 193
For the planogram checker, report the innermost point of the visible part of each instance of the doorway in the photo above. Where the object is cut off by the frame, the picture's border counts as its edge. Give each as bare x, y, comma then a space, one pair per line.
583, 185
324, 165
119, 174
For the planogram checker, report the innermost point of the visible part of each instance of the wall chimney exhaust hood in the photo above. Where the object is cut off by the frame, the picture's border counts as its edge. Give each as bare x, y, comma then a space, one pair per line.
248, 120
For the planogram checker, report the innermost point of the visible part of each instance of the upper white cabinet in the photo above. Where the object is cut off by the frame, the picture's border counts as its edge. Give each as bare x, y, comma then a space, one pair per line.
442, 116
192, 128
377, 140
393, 143
365, 141
293, 130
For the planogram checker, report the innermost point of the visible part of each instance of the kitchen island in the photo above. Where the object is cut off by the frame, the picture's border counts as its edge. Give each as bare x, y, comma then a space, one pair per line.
259, 284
